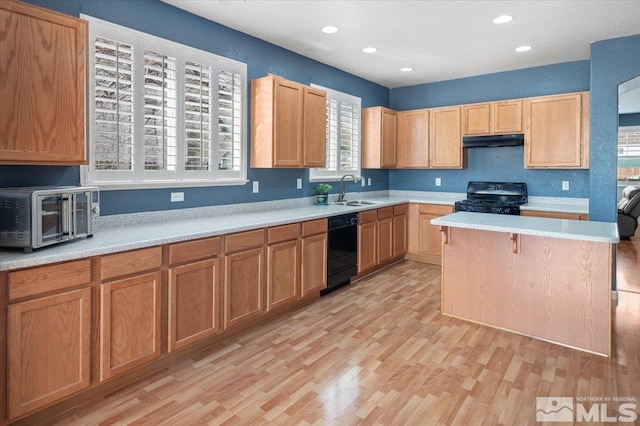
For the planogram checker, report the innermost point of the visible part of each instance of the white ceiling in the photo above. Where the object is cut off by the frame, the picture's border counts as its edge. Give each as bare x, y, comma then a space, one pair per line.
441, 40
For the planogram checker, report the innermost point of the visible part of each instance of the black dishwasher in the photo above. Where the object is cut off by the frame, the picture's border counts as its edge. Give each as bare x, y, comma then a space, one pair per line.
342, 251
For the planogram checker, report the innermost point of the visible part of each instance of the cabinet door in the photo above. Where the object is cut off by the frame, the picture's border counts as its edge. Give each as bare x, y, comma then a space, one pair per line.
445, 139
288, 116
131, 323
283, 274
388, 138
475, 119
315, 128
429, 235
506, 117
399, 236
554, 132
49, 348
314, 264
193, 302
413, 139
385, 240
243, 286
367, 242
42, 87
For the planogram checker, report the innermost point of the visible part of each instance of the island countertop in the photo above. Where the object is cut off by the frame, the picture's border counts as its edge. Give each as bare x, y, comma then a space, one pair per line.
606, 232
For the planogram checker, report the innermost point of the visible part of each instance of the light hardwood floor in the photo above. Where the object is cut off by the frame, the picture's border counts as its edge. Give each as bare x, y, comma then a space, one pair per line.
376, 352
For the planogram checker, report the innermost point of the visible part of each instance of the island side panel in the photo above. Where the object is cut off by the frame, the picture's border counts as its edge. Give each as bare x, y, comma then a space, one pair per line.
550, 288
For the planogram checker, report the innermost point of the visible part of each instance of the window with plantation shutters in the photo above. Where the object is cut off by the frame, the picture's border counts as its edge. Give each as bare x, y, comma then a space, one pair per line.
629, 154
161, 113
343, 136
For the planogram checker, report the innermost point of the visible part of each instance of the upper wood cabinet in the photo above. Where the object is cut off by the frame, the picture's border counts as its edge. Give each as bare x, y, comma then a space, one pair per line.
413, 139
445, 139
288, 124
42, 113
557, 131
378, 138
492, 118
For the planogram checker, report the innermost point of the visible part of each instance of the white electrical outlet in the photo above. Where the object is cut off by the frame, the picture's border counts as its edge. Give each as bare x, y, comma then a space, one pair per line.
565, 185
369, 181
177, 197
363, 181
299, 183
256, 186
438, 181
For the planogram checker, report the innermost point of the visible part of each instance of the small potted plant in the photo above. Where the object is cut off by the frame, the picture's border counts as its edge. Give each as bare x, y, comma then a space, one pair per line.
321, 192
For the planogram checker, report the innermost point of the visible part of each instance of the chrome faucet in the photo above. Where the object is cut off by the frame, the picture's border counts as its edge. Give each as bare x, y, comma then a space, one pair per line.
341, 195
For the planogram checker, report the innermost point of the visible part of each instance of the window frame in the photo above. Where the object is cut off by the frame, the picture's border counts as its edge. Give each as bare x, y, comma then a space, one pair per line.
321, 174
139, 177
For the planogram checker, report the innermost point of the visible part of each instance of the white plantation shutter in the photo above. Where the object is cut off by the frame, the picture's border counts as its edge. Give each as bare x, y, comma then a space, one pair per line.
113, 105
629, 153
163, 114
343, 136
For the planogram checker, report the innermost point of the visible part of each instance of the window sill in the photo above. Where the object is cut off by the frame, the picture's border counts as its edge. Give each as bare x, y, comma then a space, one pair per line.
108, 186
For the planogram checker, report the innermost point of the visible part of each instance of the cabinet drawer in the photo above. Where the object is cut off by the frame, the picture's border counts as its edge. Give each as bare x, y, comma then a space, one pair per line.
401, 209
436, 209
283, 233
385, 212
131, 262
313, 227
194, 250
46, 279
367, 216
244, 240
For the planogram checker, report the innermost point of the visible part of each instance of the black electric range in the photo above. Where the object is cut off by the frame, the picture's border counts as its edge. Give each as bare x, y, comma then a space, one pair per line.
493, 197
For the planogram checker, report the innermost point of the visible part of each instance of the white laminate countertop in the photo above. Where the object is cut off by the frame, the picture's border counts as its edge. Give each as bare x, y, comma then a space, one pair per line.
606, 232
140, 230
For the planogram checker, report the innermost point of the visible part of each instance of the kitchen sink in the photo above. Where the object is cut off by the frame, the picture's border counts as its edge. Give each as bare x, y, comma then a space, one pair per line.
355, 203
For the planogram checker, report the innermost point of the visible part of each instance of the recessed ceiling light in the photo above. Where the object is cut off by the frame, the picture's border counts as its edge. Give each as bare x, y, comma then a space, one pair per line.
523, 49
329, 29
406, 69
503, 19
370, 49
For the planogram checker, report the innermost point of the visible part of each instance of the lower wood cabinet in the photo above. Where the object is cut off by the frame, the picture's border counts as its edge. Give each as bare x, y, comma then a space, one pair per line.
49, 350
400, 231
424, 242
131, 323
367, 240
385, 235
193, 302
283, 265
314, 257
193, 291
244, 278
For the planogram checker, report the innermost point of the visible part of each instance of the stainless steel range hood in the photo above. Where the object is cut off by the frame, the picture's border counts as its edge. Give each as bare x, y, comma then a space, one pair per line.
514, 139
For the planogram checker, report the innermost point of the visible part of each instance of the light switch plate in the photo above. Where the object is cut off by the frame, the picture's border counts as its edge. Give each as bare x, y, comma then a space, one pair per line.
299, 183
256, 186
438, 181
363, 181
565, 185
369, 181
177, 197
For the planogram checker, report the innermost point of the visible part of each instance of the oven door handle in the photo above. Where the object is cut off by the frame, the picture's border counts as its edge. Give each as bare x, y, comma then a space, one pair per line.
66, 214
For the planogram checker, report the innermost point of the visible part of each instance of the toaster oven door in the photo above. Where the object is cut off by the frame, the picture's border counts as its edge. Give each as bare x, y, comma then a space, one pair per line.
52, 219
81, 214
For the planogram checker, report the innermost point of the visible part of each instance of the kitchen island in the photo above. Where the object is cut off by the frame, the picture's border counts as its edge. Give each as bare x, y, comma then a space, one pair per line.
545, 278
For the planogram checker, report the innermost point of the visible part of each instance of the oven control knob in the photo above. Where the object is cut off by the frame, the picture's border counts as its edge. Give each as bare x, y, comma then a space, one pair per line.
95, 210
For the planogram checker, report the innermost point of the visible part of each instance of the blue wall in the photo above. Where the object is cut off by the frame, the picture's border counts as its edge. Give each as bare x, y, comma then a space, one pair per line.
160, 19
495, 164
612, 62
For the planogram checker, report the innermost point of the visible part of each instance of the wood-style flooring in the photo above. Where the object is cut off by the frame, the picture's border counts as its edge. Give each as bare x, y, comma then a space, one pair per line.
377, 352
628, 265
